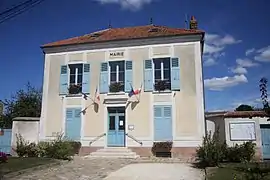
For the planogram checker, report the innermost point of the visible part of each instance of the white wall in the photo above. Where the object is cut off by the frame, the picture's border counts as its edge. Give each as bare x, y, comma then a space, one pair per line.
26, 126
243, 120
224, 127
210, 126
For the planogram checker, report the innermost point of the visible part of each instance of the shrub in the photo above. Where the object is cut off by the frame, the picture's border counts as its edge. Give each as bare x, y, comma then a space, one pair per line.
76, 146
21, 146
247, 151
233, 154
43, 148
211, 153
24, 148
241, 153
57, 149
162, 148
60, 149
32, 150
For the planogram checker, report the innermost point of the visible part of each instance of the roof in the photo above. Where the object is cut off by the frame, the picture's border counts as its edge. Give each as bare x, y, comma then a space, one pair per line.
26, 119
125, 33
245, 114
237, 114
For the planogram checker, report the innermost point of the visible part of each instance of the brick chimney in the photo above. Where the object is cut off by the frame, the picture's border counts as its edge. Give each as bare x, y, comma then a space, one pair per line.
193, 24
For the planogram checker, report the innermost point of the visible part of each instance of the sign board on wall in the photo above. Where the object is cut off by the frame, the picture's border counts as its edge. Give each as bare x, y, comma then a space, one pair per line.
116, 54
242, 131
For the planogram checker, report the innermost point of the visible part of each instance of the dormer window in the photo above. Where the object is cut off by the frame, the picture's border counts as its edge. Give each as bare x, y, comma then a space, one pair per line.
95, 35
153, 29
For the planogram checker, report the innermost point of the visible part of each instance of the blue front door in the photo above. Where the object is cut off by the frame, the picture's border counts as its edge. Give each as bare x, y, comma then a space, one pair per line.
265, 136
116, 127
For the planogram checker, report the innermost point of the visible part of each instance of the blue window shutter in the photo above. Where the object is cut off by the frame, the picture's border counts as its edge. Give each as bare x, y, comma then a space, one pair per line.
148, 75
63, 89
73, 123
128, 76
86, 79
167, 123
162, 123
77, 124
158, 117
103, 82
68, 124
175, 74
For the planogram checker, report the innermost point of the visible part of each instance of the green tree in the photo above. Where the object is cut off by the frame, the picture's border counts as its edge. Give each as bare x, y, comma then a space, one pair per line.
264, 95
25, 103
244, 107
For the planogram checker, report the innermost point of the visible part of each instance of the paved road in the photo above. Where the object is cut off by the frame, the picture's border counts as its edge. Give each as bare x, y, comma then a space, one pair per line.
98, 169
156, 171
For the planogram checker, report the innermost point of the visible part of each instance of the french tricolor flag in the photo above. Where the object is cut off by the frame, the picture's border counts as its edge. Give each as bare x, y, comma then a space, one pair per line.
134, 92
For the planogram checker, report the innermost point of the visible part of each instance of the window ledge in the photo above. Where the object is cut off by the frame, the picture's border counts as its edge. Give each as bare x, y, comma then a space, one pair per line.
116, 93
162, 92
74, 95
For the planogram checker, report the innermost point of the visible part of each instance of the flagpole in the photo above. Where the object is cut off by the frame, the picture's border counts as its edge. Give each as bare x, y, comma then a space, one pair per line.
140, 93
133, 90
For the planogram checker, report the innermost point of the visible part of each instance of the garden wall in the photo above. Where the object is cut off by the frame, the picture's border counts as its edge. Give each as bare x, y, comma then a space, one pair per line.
28, 127
237, 130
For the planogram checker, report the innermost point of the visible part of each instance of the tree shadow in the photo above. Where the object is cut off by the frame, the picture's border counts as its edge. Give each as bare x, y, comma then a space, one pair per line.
96, 107
134, 104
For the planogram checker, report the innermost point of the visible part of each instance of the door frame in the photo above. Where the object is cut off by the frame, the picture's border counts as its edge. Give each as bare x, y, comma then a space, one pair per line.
263, 126
106, 116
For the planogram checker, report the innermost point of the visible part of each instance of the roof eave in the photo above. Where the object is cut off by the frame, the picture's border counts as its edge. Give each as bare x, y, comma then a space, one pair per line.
103, 41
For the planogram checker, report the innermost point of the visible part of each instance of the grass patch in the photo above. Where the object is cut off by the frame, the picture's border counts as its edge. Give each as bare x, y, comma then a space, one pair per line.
232, 171
16, 164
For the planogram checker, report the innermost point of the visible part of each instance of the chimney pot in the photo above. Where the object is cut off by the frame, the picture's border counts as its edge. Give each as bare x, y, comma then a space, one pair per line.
193, 24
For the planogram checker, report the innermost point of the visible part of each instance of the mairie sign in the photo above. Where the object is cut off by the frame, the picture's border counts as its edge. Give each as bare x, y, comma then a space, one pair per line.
116, 54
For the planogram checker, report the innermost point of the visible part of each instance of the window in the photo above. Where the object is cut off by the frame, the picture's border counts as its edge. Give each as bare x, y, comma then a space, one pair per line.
117, 76
75, 78
162, 73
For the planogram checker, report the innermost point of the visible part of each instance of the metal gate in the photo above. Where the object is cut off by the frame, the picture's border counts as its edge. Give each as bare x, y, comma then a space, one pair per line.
5, 141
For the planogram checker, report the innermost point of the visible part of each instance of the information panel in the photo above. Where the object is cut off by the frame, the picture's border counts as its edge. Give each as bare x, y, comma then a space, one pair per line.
242, 131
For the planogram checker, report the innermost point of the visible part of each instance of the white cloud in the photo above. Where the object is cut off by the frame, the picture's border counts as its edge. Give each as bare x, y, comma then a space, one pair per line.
263, 55
218, 84
215, 46
210, 49
242, 65
209, 62
246, 63
239, 70
252, 101
219, 41
250, 51
127, 4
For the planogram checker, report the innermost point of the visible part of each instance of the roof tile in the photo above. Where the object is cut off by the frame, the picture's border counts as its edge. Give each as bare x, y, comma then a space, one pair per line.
245, 114
125, 34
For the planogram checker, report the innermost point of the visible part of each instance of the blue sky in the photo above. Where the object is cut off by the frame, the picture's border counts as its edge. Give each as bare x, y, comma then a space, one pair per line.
236, 55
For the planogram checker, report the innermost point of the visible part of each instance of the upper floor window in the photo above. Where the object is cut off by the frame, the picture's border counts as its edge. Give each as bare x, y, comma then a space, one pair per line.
117, 76
162, 74
75, 78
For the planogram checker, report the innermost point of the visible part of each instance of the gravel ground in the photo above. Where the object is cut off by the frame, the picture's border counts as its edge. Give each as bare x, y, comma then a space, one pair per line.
99, 168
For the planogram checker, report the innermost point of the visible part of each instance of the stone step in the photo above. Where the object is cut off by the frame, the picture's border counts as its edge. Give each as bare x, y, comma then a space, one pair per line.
117, 150
115, 156
114, 152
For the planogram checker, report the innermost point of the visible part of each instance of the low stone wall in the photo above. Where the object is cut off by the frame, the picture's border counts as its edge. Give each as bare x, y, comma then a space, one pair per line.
27, 127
